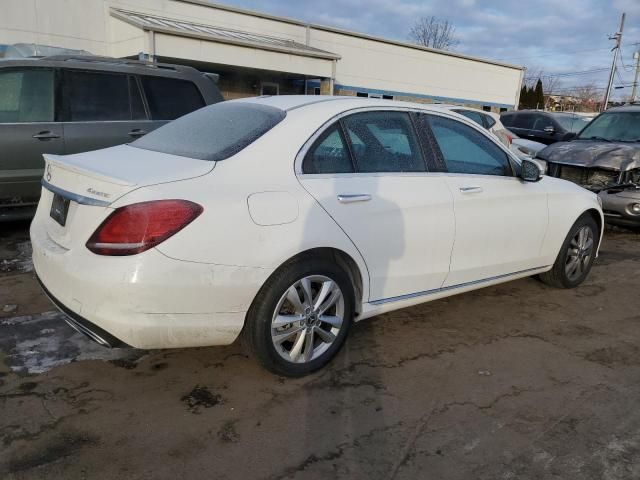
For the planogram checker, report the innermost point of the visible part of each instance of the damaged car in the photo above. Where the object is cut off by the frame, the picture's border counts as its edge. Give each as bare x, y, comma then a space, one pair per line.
604, 158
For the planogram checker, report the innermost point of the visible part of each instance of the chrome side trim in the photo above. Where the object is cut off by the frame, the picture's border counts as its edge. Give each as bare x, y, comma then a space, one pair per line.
81, 199
451, 287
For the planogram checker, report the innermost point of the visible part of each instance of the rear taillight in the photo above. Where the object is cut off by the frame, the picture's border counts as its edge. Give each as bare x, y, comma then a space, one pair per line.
509, 139
141, 226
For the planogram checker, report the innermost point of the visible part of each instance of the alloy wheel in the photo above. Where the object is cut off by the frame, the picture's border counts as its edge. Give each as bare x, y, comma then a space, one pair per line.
307, 319
579, 253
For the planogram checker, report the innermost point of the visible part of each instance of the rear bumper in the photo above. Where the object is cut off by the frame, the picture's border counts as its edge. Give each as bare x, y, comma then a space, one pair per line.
83, 325
147, 300
617, 208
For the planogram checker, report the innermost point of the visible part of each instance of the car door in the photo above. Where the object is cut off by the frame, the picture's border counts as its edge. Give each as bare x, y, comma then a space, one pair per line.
101, 109
368, 171
500, 221
522, 124
27, 131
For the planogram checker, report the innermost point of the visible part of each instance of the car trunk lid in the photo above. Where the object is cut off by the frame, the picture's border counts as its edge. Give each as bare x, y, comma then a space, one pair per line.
86, 184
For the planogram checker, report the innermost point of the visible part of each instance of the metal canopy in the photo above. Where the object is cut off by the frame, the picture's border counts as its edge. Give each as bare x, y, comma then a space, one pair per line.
219, 34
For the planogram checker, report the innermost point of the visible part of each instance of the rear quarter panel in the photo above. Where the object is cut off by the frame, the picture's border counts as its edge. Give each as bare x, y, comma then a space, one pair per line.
255, 182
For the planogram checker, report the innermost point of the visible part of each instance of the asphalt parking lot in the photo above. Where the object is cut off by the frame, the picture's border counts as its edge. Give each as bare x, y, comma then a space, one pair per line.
513, 381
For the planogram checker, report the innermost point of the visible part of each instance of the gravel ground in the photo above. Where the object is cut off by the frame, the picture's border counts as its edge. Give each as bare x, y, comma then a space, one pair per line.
517, 381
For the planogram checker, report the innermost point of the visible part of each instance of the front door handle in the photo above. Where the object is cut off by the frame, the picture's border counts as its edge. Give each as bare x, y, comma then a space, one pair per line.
354, 197
471, 189
46, 135
137, 132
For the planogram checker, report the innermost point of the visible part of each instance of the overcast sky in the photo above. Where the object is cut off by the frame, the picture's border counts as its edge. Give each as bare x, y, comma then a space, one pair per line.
557, 36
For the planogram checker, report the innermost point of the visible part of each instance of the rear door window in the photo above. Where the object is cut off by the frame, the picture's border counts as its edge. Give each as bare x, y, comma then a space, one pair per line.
170, 98
524, 120
26, 96
329, 154
384, 141
95, 96
465, 150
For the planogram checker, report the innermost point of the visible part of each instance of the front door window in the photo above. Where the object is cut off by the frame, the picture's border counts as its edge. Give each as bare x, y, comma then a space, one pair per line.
26, 96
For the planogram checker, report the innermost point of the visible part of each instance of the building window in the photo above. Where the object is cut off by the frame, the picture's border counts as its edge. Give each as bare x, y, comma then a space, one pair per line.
486, 108
387, 97
268, 88
362, 94
503, 109
316, 91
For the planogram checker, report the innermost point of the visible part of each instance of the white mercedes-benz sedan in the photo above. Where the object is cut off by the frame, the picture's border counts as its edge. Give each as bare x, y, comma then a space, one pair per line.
288, 218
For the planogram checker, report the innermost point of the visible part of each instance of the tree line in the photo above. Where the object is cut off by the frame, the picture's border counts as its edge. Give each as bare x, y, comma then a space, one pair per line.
532, 96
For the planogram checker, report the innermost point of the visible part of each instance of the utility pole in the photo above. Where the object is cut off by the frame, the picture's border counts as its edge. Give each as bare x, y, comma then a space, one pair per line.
636, 57
616, 50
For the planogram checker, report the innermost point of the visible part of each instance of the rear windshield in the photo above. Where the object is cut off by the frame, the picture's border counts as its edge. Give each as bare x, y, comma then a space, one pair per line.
213, 133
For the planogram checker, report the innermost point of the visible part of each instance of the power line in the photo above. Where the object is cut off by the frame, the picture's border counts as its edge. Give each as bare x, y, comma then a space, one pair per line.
568, 74
566, 90
550, 54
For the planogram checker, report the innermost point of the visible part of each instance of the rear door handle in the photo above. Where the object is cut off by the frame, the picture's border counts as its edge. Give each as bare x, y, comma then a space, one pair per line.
137, 132
471, 189
46, 135
354, 197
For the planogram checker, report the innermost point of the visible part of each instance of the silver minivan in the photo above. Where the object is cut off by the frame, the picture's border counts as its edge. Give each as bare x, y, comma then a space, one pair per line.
71, 104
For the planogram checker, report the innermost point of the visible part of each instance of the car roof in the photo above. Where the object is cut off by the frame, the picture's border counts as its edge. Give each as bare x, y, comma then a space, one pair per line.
563, 114
527, 111
95, 62
448, 106
292, 102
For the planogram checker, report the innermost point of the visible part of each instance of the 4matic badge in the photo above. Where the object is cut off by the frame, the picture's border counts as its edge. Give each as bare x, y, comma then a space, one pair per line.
97, 193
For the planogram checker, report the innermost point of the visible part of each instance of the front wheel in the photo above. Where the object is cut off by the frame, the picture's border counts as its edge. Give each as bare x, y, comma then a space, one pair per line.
301, 317
576, 256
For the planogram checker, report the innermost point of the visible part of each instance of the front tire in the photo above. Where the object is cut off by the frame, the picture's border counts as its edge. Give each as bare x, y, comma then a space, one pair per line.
301, 317
576, 256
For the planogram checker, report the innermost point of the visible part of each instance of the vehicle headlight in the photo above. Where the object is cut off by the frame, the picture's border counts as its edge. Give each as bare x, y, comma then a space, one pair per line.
635, 208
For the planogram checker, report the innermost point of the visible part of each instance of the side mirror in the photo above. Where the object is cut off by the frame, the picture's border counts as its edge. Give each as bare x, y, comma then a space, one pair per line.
550, 130
567, 137
530, 171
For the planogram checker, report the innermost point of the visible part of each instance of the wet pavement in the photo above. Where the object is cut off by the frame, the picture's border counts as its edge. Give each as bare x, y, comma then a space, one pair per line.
517, 381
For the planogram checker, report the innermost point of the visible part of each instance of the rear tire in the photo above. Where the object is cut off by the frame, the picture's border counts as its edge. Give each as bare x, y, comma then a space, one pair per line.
576, 256
301, 317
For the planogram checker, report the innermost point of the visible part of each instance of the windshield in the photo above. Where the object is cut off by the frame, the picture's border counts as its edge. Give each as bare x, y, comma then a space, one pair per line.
213, 133
572, 123
614, 126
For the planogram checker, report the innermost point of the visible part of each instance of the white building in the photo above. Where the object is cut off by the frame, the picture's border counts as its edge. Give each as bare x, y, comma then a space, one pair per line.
256, 53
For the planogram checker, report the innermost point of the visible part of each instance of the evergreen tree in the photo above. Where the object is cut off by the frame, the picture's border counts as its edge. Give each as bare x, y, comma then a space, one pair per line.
531, 97
538, 96
523, 97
